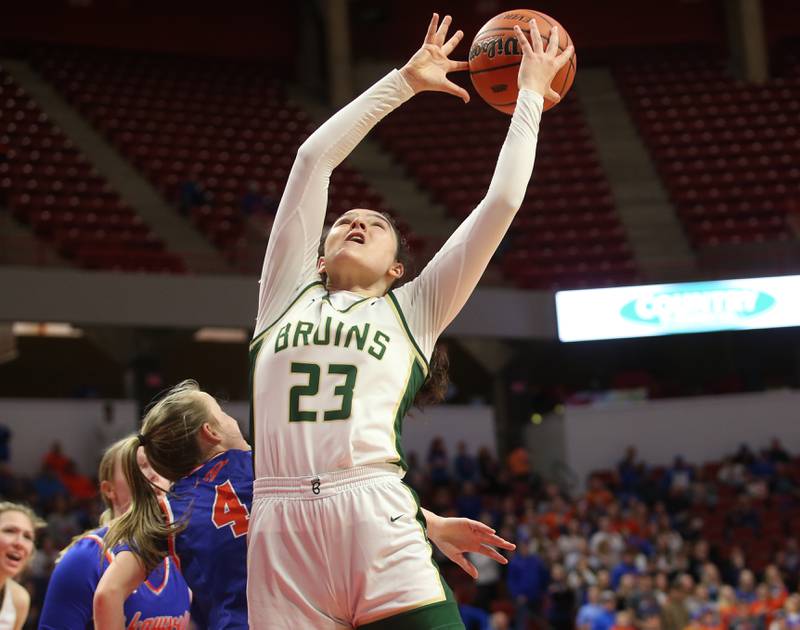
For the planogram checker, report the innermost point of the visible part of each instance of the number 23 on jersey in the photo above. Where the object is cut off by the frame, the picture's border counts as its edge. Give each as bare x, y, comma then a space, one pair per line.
346, 377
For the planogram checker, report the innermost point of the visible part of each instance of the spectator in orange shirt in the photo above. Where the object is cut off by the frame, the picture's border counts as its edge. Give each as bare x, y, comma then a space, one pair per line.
79, 486
598, 495
519, 463
556, 517
623, 621
777, 589
762, 606
55, 460
726, 604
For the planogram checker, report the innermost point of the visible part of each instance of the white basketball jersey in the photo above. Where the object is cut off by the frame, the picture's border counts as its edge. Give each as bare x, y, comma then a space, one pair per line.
333, 375
331, 380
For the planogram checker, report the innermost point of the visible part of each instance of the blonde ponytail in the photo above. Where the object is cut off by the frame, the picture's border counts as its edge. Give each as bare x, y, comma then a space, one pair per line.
144, 526
169, 436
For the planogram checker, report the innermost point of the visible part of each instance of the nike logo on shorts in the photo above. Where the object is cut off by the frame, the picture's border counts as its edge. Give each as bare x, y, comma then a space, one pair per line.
393, 519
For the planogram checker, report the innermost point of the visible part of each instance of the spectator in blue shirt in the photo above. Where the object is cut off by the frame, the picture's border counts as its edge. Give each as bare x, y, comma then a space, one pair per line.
626, 566
605, 620
469, 503
527, 581
466, 467
629, 471
590, 611
48, 486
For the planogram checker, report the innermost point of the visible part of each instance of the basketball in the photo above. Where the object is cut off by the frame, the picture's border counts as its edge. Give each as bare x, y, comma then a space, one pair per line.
494, 58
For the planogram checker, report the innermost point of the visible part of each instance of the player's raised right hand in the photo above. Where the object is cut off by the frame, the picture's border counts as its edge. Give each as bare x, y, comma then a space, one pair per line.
427, 69
540, 66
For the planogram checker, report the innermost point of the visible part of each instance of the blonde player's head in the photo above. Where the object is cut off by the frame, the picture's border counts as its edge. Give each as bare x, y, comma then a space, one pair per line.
114, 487
18, 525
179, 432
364, 250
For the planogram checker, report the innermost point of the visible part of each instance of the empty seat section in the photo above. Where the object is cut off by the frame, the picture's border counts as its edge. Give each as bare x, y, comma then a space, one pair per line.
567, 233
50, 186
213, 136
727, 152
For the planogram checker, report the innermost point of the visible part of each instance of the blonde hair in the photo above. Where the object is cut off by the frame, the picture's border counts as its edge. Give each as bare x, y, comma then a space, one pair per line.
105, 472
169, 437
36, 521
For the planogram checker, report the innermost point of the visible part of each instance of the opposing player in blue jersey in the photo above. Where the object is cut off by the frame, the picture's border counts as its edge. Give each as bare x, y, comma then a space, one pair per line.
203, 522
188, 438
160, 601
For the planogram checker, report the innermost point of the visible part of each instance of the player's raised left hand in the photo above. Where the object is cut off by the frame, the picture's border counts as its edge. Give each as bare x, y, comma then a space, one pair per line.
456, 536
427, 69
539, 65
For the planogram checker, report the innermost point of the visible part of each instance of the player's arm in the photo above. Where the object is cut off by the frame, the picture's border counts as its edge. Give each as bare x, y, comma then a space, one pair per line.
22, 603
68, 600
441, 290
457, 536
290, 261
120, 579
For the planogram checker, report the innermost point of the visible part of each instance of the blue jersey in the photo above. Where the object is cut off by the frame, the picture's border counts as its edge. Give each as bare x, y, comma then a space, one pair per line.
161, 601
214, 501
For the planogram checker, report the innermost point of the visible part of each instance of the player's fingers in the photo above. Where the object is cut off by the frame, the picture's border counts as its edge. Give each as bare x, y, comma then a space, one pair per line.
563, 58
452, 88
432, 29
492, 553
468, 567
458, 66
524, 44
552, 43
451, 43
496, 541
536, 36
476, 527
441, 33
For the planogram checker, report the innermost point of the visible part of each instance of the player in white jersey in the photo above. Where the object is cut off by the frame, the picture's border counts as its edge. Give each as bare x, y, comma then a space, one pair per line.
337, 540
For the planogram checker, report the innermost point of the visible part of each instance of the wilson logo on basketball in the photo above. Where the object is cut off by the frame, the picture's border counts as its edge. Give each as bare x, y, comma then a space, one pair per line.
516, 16
495, 46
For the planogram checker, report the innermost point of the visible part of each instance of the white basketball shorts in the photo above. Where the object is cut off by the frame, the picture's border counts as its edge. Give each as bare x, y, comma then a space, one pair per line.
341, 550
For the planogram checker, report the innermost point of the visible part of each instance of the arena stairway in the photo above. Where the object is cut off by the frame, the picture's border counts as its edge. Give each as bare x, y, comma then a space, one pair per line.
178, 235
654, 232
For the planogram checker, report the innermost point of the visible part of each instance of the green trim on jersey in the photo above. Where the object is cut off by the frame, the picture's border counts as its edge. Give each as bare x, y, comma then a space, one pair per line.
302, 292
327, 299
439, 616
255, 349
415, 381
399, 312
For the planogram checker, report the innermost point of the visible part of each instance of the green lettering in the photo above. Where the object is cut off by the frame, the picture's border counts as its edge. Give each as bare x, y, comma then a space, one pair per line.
360, 335
303, 329
282, 340
327, 340
338, 337
381, 339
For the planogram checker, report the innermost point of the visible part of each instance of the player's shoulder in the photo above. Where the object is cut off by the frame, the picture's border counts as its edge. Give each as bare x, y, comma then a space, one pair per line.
84, 556
89, 543
240, 457
233, 464
19, 595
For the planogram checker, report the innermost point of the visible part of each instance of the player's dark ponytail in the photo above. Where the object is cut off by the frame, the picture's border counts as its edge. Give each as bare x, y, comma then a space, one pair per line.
170, 441
435, 387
